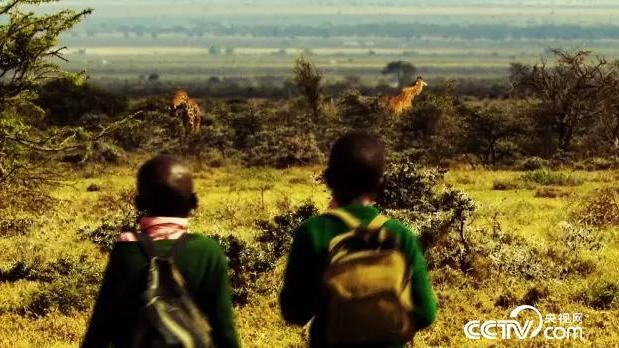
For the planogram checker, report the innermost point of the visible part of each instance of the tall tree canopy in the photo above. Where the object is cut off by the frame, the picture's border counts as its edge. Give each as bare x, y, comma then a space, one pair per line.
571, 94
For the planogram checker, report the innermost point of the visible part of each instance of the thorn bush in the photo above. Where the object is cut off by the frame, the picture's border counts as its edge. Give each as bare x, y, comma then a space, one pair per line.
249, 261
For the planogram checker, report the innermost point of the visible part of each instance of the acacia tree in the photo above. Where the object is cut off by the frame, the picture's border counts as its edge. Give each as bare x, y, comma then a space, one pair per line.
489, 132
570, 94
404, 72
309, 81
29, 56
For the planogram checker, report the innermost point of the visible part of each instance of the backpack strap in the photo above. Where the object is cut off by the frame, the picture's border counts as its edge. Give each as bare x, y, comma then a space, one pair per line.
147, 244
378, 222
350, 220
178, 246
353, 223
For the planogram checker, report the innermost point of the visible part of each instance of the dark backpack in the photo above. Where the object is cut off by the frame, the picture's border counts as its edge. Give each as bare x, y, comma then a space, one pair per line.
368, 285
170, 317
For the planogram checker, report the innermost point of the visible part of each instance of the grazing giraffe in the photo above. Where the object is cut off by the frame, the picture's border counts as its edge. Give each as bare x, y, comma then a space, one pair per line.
188, 110
404, 101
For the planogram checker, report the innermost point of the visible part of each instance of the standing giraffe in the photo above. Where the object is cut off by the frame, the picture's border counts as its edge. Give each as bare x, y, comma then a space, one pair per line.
404, 101
188, 110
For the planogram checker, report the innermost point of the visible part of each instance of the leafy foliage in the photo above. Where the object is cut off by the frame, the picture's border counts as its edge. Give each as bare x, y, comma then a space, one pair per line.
67, 284
603, 294
533, 163
570, 93
28, 57
490, 132
282, 148
249, 261
66, 102
411, 193
308, 79
600, 209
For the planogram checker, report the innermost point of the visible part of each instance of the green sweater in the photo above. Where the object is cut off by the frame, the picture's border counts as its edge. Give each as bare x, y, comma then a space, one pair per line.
300, 298
204, 267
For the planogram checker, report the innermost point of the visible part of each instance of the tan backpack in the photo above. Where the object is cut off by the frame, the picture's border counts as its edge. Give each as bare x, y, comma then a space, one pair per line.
368, 285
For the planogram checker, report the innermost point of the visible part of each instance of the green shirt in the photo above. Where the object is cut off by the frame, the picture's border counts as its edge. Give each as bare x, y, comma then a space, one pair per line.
301, 299
204, 267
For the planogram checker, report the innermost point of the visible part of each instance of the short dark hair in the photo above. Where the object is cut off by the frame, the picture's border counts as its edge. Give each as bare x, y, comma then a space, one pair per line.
356, 166
165, 188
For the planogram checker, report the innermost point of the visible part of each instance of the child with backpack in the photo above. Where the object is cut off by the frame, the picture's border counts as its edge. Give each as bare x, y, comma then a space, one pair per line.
361, 276
164, 286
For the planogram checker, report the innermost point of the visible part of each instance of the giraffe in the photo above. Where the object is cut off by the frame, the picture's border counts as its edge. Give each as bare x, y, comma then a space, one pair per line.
404, 101
188, 110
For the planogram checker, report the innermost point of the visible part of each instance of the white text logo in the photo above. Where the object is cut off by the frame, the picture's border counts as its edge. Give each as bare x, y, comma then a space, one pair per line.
570, 326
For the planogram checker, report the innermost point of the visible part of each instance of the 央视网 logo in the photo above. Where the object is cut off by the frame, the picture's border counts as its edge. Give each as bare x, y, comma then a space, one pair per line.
569, 326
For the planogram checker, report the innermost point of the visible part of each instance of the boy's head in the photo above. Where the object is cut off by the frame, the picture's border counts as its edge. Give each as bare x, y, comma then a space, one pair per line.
356, 167
165, 188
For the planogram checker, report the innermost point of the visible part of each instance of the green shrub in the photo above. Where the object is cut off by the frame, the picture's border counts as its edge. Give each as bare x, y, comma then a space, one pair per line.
576, 236
66, 101
550, 192
507, 184
598, 163
97, 152
533, 163
15, 226
66, 295
603, 294
534, 295
600, 209
67, 284
111, 226
409, 187
509, 253
412, 194
507, 300
248, 261
276, 236
548, 177
82, 267
283, 148
150, 130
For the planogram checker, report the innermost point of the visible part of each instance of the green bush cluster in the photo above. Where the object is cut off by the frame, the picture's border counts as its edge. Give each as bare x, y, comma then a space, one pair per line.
533, 163
600, 209
550, 192
39, 270
111, 226
549, 177
509, 253
602, 294
283, 148
249, 261
15, 226
67, 295
439, 214
576, 236
66, 284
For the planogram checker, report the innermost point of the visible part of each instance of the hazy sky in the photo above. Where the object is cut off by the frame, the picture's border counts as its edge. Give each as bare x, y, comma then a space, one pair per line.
517, 12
